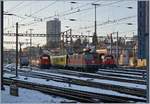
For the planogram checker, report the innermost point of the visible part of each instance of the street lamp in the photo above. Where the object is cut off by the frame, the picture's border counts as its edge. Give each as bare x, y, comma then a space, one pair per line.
95, 5
73, 2
95, 30
72, 19
10, 14
129, 23
130, 7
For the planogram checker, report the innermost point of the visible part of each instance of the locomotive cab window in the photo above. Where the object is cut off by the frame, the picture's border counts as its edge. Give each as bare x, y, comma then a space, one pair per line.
88, 56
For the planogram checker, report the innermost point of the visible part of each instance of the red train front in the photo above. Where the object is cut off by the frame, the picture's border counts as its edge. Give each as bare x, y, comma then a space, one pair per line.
109, 62
86, 61
44, 61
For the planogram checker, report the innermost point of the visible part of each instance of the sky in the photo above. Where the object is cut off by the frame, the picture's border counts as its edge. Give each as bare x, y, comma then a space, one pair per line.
27, 12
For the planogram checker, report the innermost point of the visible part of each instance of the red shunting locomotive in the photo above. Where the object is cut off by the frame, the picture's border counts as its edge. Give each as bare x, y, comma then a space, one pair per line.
109, 62
44, 61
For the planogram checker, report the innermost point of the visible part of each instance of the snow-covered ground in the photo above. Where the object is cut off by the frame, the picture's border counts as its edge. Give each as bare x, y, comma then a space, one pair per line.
126, 84
131, 85
113, 73
30, 96
120, 71
72, 86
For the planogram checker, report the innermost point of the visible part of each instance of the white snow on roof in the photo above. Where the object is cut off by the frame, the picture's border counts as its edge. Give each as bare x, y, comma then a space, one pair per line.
76, 87
30, 96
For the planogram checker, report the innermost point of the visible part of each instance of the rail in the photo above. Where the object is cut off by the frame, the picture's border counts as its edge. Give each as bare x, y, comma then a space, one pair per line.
73, 94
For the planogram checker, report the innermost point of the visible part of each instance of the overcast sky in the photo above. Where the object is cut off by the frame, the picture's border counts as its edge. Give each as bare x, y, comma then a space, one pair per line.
28, 12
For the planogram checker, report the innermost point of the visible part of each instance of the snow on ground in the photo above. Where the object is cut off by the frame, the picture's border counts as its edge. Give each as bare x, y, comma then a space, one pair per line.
75, 87
119, 71
30, 96
131, 85
113, 73
126, 84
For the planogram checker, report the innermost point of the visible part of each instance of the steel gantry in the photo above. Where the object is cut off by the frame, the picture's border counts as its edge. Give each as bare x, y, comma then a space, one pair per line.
62, 35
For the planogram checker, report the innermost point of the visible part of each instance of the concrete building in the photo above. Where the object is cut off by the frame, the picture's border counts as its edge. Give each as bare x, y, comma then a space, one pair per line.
53, 30
143, 27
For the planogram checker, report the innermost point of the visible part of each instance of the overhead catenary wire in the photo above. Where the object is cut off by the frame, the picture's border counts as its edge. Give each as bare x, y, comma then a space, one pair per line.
14, 7
69, 13
38, 11
85, 9
25, 6
109, 22
84, 5
34, 13
79, 10
54, 15
13, 14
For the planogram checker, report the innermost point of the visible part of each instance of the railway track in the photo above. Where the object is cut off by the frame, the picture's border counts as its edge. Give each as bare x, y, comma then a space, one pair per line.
108, 86
142, 73
80, 96
120, 75
114, 74
98, 76
129, 70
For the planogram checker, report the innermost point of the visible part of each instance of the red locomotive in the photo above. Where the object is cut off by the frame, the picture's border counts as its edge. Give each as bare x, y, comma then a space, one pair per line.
44, 61
109, 62
90, 62
85, 61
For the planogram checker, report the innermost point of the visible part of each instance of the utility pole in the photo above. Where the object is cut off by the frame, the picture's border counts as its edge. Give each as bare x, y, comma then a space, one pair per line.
30, 46
2, 18
95, 26
95, 32
16, 49
117, 50
111, 43
20, 53
147, 64
20, 48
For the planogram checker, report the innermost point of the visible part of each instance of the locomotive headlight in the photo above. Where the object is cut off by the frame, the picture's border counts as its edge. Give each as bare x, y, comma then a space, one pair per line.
37, 61
103, 57
93, 61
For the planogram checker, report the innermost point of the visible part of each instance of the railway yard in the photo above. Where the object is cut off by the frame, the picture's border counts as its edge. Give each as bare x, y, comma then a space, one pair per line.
82, 51
106, 85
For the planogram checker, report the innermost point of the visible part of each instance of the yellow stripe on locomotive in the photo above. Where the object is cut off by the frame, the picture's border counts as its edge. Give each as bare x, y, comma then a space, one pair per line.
59, 61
